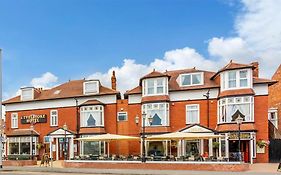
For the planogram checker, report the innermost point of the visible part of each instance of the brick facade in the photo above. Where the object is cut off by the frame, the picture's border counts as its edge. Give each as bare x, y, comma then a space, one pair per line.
177, 110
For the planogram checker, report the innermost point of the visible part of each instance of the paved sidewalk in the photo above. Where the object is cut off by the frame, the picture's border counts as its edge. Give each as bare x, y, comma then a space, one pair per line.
256, 169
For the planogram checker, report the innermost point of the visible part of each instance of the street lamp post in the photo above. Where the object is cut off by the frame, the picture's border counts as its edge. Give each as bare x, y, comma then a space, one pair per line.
65, 151
239, 121
144, 117
207, 95
31, 129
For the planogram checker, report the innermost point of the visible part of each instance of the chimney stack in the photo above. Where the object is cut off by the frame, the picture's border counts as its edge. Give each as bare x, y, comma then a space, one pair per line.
256, 69
113, 80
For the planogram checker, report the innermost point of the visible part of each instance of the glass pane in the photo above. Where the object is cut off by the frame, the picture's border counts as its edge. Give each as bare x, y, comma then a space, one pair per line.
160, 90
25, 148
186, 79
91, 87
14, 148
91, 148
243, 83
196, 79
232, 84
243, 74
122, 116
232, 75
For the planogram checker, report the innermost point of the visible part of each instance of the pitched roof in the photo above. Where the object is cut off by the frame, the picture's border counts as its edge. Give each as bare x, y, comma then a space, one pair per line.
69, 89
92, 102
157, 98
234, 127
174, 78
22, 132
263, 81
154, 74
232, 66
174, 85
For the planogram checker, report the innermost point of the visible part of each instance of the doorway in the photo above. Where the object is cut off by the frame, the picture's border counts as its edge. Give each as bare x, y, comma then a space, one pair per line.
234, 150
61, 148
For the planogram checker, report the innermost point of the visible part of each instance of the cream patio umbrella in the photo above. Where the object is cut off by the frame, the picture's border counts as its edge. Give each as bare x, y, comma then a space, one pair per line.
107, 137
183, 136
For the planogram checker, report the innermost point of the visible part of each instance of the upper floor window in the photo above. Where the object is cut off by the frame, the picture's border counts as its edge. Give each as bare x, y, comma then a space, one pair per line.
236, 79
122, 116
191, 79
273, 117
14, 120
27, 94
192, 114
229, 106
155, 86
54, 118
159, 113
91, 87
91, 116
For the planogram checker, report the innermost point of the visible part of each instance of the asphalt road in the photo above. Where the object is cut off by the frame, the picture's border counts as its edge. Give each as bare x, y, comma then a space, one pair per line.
40, 173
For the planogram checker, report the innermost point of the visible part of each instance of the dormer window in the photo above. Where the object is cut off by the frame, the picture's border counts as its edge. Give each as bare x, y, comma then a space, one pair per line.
236, 79
91, 87
191, 79
27, 94
155, 86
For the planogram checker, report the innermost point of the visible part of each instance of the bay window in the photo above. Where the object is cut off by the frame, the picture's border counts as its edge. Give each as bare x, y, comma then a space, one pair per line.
155, 86
21, 145
159, 113
191, 79
228, 106
192, 114
92, 116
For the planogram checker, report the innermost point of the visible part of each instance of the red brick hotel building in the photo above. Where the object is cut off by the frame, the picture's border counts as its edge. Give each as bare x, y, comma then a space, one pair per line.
187, 100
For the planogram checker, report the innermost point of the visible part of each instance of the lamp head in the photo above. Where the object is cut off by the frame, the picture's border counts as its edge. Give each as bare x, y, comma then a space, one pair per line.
239, 120
64, 126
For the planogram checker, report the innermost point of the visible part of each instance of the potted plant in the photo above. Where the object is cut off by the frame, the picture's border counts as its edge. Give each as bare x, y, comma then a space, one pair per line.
39, 146
261, 144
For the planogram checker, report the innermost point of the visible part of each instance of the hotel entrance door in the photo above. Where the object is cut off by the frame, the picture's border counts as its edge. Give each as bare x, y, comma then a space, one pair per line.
63, 148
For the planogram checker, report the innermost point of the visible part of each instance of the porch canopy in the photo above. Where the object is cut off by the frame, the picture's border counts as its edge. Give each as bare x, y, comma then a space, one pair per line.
183, 136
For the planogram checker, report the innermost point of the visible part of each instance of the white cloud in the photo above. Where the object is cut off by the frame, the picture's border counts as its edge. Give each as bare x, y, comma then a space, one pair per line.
46, 80
258, 38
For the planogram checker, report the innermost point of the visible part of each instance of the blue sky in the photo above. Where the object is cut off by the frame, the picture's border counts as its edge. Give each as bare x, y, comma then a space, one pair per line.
73, 39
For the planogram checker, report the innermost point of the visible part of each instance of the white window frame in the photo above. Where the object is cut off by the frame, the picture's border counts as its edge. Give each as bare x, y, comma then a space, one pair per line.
118, 113
86, 92
54, 116
191, 79
275, 120
164, 85
225, 79
166, 114
100, 109
14, 120
26, 90
186, 111
220, 105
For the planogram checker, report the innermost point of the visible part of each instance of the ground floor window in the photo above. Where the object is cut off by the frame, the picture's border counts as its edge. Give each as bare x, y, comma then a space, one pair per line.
192, 148
156, 148
14, 148
92, 148
21, 145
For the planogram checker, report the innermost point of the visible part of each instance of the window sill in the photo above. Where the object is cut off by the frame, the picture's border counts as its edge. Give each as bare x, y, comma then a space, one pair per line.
244, 122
